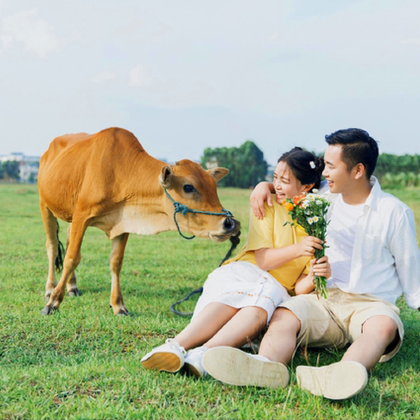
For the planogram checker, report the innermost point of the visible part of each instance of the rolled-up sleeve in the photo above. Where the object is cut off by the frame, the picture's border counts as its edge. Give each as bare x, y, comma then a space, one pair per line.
404, 248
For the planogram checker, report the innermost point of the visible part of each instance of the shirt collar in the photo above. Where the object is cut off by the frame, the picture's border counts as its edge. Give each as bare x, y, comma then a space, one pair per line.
375, 193
373, 197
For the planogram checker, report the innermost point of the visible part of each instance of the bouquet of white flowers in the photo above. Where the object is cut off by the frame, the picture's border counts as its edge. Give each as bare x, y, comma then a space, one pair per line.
309, 211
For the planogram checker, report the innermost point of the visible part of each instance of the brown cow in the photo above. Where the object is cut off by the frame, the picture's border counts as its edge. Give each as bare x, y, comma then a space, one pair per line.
108, 180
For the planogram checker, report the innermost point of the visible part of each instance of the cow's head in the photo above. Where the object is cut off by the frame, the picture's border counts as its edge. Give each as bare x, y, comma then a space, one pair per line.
189, 184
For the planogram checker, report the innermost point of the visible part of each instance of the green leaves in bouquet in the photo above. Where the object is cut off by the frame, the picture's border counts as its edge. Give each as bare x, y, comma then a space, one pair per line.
309, 211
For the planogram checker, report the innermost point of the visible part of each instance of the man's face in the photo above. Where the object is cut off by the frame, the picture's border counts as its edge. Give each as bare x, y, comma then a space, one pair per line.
335, 172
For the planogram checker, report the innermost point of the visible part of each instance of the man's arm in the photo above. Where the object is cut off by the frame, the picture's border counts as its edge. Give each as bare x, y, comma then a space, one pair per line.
404, 248
261, 194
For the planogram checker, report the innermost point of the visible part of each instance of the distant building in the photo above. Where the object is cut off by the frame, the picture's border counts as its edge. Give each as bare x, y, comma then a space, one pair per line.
28, 166
212, 163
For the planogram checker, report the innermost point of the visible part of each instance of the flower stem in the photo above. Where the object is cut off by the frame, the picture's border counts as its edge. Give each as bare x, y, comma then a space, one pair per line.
320, 282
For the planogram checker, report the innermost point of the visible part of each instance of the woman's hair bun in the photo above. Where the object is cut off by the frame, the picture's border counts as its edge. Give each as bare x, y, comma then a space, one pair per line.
319, 164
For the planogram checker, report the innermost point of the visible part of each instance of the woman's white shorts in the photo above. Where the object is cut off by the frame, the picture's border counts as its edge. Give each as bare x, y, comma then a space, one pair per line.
241, 284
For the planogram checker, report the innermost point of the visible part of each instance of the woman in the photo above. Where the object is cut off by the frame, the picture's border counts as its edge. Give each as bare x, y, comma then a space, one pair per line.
240, 297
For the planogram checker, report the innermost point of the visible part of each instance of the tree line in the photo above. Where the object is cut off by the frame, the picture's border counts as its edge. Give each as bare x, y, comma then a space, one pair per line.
395, 171
247, 166
9, 170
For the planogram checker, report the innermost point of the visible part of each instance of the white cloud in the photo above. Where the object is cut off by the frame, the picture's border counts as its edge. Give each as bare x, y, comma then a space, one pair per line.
104, 76
138, 76
27, 29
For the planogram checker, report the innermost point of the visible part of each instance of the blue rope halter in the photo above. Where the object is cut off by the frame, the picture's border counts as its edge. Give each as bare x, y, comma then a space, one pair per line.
182, 208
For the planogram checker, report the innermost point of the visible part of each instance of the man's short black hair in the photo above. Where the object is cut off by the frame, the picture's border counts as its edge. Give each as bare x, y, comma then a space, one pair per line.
357, 147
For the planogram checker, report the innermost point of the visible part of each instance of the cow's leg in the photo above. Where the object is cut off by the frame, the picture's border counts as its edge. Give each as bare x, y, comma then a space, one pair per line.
51, 230
71, 261
72, 289
116, 260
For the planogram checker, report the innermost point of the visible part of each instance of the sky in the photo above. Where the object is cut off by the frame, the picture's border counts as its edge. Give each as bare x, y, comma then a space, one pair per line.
184, 75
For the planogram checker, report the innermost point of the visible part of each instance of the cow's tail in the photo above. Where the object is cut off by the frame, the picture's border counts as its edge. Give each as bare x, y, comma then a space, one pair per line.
61, 252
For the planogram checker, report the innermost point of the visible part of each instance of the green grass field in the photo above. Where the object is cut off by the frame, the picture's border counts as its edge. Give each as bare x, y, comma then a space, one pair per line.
84, 363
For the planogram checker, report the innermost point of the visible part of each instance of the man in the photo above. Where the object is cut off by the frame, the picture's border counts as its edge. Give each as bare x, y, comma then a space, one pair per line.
374, 258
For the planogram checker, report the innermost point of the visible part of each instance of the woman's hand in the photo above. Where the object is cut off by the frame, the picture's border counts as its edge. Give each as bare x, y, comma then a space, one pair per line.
262, 193
308, 245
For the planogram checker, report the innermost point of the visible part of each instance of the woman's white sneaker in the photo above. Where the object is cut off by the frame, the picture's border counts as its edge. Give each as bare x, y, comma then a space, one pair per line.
168, 357
193, 361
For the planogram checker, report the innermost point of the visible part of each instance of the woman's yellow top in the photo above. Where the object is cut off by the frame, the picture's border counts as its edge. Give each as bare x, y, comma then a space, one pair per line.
271, 232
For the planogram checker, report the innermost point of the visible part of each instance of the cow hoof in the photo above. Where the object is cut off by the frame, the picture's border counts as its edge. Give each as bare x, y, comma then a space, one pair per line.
123, 312
74, 292
48, 310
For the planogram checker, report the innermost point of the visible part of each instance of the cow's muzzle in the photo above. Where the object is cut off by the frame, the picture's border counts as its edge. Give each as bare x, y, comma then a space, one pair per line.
231, 226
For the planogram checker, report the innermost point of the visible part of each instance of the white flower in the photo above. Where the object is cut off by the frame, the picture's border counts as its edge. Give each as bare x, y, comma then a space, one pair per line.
315, 190
310, 220
319, 202
305, 204
316, 218
311, 197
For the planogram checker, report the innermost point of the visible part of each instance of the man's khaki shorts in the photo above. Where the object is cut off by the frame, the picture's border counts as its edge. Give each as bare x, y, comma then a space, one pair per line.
338, 320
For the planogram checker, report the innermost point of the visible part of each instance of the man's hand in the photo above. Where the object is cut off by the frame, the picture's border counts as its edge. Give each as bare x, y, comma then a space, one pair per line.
262, 193
321, 268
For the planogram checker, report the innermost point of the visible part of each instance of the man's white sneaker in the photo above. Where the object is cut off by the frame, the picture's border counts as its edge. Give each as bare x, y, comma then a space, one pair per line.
235, 367
193, 361
168, 357
336, 382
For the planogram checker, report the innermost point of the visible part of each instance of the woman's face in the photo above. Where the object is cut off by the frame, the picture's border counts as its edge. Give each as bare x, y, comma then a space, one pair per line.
285, 183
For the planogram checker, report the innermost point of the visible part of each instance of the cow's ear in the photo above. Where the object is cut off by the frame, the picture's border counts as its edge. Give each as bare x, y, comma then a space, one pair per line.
218, 173
165, 177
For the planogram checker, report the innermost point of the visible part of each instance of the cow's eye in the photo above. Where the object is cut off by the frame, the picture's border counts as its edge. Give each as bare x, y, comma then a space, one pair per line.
188, 188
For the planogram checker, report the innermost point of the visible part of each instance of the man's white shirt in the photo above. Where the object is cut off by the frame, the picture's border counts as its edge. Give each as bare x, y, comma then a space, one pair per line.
373, 247
340, 241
